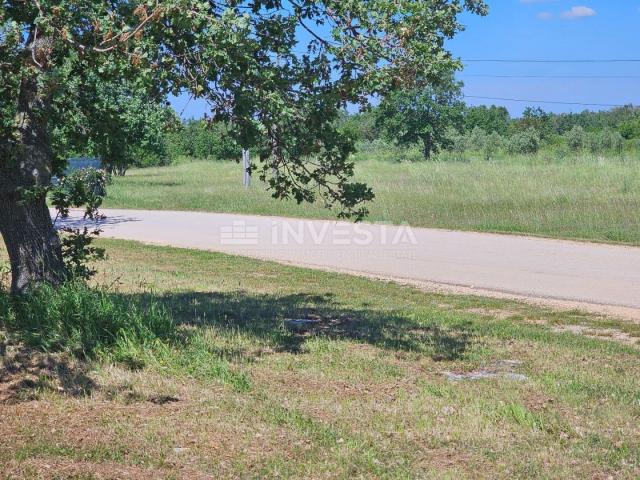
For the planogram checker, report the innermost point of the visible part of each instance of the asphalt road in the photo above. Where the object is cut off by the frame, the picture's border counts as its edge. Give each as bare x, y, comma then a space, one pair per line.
593, 276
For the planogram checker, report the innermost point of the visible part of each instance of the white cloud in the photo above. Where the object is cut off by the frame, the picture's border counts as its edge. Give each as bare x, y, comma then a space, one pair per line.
545, 16
578, 12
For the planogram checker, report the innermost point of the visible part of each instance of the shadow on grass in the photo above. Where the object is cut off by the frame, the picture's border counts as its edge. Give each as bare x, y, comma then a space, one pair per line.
24, 372
264, 317
134, 329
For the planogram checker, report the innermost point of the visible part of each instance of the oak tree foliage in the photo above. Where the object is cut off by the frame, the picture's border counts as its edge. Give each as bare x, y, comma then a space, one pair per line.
423, 114
278, 71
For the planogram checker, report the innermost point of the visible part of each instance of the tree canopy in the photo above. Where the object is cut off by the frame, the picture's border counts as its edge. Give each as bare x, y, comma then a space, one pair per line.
278, 71
490, 119
423, 114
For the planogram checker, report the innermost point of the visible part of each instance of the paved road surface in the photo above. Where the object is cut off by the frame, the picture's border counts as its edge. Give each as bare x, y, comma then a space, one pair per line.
549, 270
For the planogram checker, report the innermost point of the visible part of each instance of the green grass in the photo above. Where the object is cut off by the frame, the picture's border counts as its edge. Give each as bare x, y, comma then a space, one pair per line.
232, 392
81, 321
591, 198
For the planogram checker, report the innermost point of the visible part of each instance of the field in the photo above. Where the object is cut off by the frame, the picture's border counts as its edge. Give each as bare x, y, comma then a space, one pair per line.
362, 394
591, 198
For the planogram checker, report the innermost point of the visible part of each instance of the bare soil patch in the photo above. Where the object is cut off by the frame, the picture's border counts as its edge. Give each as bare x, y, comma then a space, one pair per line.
46, 468
610, 334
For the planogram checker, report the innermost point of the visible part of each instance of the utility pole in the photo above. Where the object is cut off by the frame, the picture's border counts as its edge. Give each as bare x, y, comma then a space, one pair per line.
246, 165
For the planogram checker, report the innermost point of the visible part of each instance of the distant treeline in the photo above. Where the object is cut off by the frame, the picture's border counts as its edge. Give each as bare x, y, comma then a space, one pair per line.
491, 129
481, 129
202, 139
625, 120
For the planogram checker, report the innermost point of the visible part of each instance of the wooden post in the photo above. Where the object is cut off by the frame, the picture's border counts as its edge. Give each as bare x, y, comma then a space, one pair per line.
246, 165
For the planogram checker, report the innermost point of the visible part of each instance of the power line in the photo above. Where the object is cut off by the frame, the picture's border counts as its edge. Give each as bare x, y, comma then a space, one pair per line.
479, 75
544, 101
510, 60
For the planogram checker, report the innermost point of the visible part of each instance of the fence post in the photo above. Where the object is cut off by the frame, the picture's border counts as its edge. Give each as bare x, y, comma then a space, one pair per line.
246, 165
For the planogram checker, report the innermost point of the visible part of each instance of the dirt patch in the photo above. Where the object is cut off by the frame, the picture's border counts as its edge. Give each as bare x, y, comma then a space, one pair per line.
443, 459
495, 313
537, 401
498, 369
536, 321
614, 311
70, 468
610, 334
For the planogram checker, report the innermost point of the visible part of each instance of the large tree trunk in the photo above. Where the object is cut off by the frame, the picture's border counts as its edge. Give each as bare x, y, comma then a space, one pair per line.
25, 169
427, 146
32, 243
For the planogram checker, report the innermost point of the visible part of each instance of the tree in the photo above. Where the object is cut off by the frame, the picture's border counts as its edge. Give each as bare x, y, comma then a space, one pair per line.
203, 139
606, 140
361, 125
576, 138
422, 115
595, 121
537, 119
490, 119
476, 139
630, 129
526, 142
121, 122
240, 56
492, 145
128, 126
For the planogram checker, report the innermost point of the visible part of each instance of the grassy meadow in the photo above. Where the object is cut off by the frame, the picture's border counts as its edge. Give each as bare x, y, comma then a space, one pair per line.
229, 391
591, 198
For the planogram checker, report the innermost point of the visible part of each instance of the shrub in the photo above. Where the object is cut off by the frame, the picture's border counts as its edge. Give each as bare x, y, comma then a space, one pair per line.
360, 126
606, 140
203, 140
81, 188
488, 144
456, 141
410, 155
630, 129
492, 145
576, 138
476, 139
560, 152
526, 142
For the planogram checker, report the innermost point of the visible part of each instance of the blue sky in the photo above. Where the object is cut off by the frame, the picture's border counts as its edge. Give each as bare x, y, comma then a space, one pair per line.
553, 29
544, 30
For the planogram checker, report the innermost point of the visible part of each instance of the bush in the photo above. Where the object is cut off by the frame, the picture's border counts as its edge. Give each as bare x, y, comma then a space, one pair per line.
360, 126
410, 155
203, 140
630, 129
576, 138
607, 140
83, 321
456, 141
476, 139
489, 144
526, 142
492, 145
